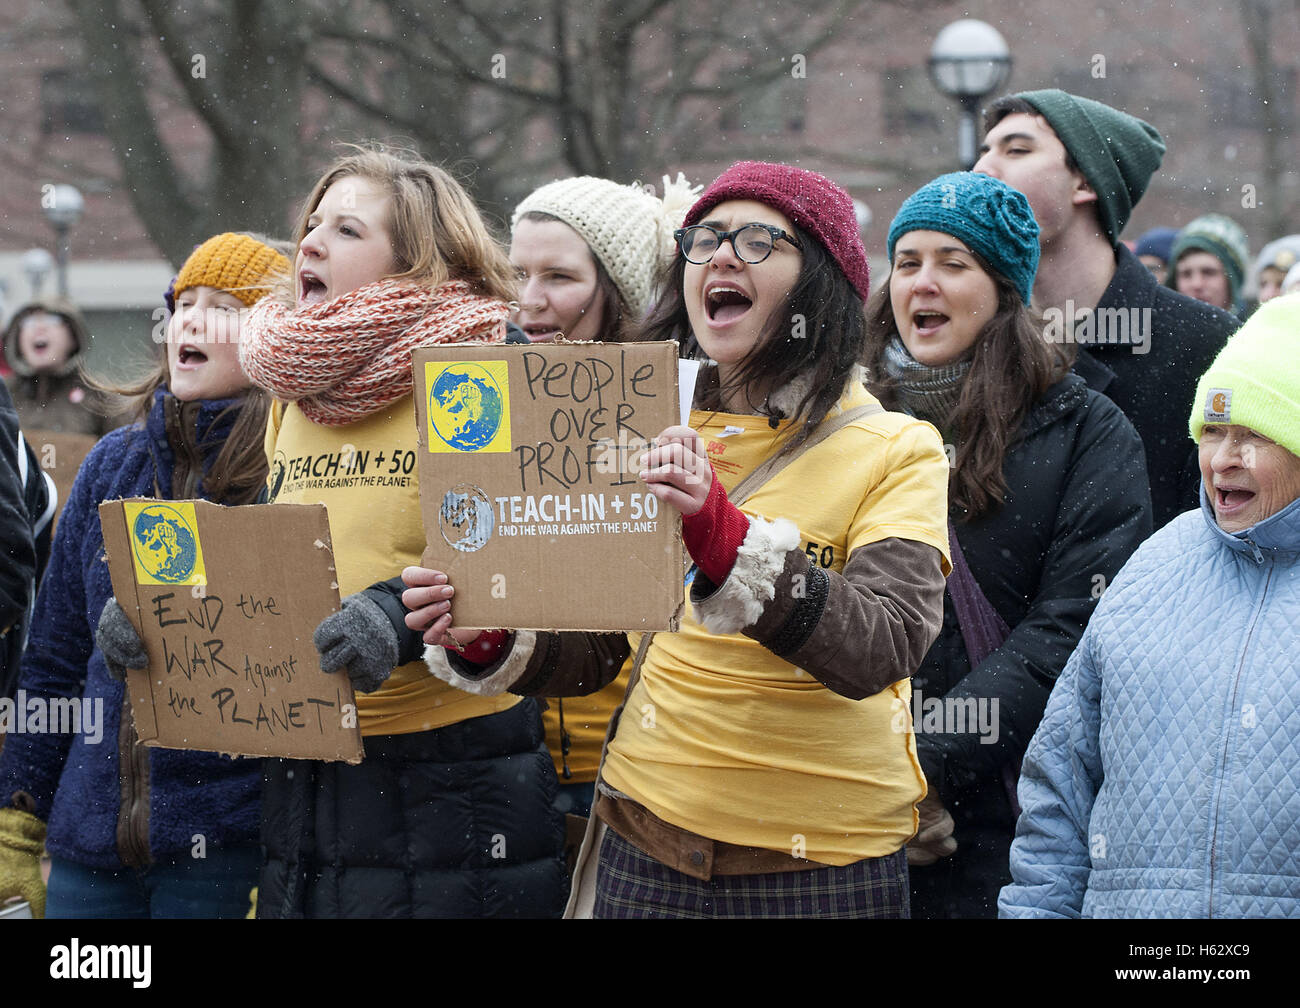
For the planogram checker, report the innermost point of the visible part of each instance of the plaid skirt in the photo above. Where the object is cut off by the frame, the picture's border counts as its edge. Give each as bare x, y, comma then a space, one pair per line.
632, 885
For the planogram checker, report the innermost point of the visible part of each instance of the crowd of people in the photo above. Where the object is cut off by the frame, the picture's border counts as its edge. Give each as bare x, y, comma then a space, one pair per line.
1042, 661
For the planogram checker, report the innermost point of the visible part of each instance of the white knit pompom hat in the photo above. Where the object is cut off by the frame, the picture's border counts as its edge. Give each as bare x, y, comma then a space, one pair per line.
627, 227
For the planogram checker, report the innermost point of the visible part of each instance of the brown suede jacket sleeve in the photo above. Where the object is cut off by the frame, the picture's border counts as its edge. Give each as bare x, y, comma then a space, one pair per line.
858, 632
550, 663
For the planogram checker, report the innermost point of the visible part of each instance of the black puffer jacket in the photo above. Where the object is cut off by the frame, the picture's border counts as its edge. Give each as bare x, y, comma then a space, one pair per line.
1155, 388
453, 822
1078, 505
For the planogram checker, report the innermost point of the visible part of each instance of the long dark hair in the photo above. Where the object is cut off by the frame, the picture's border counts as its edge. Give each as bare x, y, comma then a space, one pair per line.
1011, 368
818, 338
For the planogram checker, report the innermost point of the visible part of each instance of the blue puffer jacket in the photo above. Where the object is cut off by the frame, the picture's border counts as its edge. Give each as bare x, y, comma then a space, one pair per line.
107, 800
1163, 780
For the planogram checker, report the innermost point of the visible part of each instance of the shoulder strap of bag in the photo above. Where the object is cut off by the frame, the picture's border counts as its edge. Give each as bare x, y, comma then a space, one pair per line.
983, 631
769, 468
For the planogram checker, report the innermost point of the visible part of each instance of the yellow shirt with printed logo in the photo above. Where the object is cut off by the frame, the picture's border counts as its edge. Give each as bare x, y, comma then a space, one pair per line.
725, 739
365, 474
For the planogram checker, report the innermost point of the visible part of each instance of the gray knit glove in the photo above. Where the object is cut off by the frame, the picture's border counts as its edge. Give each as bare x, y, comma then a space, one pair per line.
118, 642
359, 637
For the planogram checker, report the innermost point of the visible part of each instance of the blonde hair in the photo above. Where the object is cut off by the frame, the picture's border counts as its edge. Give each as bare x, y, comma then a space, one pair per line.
437, 232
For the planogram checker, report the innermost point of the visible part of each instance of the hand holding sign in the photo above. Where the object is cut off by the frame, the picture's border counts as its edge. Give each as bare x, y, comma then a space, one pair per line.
227, 631
118, 642
529, 489
360, 640
428, 596
677, 470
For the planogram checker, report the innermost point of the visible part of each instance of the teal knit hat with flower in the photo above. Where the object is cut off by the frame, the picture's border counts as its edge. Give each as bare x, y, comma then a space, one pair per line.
993, 220
1255, 380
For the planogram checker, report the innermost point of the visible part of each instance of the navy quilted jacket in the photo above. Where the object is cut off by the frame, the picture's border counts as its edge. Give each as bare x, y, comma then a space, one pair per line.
1162, 781
78, 781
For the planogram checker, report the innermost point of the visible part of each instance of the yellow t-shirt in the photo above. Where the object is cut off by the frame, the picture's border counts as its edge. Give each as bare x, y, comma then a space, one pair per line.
365, 475
723, 738
586, 719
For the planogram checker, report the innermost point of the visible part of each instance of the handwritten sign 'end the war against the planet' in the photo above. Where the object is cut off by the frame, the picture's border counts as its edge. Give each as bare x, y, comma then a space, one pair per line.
226, 600
529, 488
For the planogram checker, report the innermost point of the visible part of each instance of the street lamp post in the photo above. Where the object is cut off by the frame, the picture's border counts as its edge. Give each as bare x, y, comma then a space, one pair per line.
969, 61
62, 205
37, 263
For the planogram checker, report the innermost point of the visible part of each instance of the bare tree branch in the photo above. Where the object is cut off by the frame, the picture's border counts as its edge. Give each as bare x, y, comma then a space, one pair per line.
147, 166
171, 40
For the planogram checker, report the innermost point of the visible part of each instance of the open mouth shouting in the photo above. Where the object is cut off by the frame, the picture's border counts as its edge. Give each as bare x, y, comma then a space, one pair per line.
540, 332
189, 356
725, 303
311, 288
42, 354
1231, 499
927, 323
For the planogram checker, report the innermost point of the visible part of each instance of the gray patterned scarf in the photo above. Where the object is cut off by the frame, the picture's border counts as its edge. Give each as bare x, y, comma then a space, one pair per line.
929, 393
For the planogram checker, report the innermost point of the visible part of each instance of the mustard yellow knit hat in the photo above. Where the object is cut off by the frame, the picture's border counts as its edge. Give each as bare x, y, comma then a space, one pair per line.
235, 263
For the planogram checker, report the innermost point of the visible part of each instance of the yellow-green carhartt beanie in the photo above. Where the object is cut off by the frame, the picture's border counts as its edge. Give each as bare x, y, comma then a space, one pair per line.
1255, 380
1117, 153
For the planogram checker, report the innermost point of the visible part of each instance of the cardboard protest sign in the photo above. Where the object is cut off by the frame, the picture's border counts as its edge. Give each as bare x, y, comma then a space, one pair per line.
529, 489
226, 600
60, 455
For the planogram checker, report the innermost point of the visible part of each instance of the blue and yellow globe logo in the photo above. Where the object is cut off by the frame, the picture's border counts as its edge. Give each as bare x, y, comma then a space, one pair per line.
165, 544
468, 407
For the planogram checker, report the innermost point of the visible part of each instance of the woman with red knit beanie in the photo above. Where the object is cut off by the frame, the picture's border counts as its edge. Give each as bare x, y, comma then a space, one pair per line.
762, 765
449, 814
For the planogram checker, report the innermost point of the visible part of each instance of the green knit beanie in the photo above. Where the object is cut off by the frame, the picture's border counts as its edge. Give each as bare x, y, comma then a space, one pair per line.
1255, 380
1224, 239
1117, 153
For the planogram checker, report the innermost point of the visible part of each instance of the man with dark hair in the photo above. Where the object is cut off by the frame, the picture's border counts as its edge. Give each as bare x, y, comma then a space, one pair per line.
1084, 166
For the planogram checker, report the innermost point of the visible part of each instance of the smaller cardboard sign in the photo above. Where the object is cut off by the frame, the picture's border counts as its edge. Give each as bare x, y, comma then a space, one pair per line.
228, 627
60, 455
529, 485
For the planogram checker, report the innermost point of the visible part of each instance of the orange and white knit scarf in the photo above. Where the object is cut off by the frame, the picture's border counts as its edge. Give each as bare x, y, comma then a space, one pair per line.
343, 359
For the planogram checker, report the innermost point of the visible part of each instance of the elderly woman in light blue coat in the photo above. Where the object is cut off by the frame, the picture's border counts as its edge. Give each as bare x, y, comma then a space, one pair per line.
1164, 778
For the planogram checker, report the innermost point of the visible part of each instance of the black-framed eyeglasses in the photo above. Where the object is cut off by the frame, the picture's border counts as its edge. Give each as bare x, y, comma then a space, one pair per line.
752, 243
